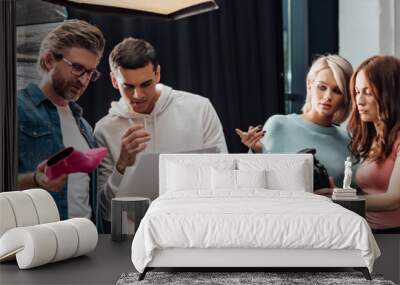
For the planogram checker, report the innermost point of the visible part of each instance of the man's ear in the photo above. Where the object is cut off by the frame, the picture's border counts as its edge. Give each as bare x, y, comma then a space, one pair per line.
114, 80
48, 61
158, 73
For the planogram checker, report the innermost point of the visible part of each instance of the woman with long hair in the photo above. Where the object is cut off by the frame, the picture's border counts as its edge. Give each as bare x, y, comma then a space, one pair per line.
327, 105
374, 127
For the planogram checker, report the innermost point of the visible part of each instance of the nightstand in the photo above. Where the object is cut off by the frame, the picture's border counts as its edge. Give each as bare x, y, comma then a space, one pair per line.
126, 214
355, 205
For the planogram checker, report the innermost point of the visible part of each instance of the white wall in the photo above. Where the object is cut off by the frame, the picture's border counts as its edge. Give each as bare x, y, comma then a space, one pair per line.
368, 27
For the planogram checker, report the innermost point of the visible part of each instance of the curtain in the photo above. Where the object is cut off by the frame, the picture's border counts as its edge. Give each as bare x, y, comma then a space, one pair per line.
233, 56
8, 129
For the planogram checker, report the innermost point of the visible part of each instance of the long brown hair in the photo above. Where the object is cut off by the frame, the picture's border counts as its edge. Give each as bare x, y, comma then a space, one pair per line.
368, 142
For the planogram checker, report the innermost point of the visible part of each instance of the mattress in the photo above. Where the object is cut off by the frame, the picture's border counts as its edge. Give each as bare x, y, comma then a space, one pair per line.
251, 219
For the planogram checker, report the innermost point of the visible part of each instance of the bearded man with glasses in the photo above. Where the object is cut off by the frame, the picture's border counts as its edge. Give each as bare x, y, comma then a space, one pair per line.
49, 119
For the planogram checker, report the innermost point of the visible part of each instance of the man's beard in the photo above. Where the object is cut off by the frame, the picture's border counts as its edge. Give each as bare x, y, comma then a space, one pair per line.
63, 88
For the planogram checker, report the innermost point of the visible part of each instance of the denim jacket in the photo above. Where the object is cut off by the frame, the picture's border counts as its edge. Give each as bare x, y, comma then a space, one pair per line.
39, 137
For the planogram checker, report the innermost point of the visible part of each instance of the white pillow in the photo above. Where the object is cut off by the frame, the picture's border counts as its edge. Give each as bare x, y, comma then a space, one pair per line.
292, 179
237, 179
183, 176
251, 178
223, 179
281, 174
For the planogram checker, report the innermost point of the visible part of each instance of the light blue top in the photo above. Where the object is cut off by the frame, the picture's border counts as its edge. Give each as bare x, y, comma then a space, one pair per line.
291, 133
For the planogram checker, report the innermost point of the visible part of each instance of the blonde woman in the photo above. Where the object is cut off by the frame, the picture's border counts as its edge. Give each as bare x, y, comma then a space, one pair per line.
327, 105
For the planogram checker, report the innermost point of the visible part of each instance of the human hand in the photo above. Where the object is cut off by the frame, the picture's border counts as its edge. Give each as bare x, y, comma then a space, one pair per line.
252, 137
42, 181
132, 142
327, 191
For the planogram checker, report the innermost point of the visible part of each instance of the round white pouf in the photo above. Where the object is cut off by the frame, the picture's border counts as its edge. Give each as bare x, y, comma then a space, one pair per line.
87, 235
45, 206
7, 217
67, 240
33, 246
23, 207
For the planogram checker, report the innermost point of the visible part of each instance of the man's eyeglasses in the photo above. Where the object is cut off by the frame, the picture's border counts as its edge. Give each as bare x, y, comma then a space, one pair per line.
79, 70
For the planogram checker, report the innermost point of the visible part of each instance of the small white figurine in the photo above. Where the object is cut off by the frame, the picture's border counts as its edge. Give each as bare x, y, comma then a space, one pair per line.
347, 174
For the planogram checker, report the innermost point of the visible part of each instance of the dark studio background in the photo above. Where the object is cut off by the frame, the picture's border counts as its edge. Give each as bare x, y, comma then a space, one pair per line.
310, 28
239, 57
233, 56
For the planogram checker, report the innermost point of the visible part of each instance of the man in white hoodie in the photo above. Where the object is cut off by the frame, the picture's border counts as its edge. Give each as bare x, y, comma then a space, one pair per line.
149, 118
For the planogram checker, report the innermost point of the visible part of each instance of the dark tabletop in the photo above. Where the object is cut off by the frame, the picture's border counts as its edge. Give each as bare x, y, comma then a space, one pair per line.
104, 265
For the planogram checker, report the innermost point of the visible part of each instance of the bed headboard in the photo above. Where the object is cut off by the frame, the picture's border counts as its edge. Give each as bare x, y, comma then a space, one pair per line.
237, 159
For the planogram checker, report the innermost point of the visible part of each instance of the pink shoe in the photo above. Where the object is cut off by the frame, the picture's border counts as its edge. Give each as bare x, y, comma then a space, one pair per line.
70, 160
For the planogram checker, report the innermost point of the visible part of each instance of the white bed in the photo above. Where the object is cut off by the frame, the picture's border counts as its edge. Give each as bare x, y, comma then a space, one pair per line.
219, 210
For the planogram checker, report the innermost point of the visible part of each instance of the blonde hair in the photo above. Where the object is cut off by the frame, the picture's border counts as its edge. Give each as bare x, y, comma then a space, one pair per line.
342, 71
71, 33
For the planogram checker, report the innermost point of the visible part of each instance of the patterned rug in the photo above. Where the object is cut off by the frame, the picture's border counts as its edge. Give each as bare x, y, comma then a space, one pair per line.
231, 278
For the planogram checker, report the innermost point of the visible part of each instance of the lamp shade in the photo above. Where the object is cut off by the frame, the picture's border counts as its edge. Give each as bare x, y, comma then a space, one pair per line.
169, 9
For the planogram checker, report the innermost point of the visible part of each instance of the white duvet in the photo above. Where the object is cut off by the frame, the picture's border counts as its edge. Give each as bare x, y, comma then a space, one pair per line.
250, 219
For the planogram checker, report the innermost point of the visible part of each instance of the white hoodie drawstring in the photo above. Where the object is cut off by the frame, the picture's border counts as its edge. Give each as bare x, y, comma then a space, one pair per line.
121, 109
145, 124
155, 133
